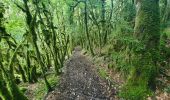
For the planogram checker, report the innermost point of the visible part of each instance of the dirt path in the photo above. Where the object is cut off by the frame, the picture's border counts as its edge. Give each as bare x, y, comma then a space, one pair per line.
81, 82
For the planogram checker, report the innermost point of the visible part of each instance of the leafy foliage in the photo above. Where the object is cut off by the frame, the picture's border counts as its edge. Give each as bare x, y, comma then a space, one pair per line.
36, 36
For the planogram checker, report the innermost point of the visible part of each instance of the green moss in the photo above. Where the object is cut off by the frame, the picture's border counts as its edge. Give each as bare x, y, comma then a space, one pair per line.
137, 86
141, 81
23, 89
16, 92
4, 92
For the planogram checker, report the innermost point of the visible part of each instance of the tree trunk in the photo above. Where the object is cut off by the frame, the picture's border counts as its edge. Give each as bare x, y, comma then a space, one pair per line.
166, 14
28, 66
4, 92
86, 28
147, 25
147, 31
22, 72
30, 20
10, 90
104, 33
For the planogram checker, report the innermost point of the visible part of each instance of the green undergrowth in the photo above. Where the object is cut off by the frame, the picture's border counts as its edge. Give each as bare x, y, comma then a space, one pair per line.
137, 87
40, 92
40, 89
167, 31
121, 57
119, 53
102, 72
135, 92
122, 54
104, 75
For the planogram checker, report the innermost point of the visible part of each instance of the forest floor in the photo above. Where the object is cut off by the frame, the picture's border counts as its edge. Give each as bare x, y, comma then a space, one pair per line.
80, 81
84, 78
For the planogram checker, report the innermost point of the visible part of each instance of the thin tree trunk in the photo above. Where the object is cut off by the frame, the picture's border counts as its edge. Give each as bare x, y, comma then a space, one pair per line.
86, 28
31, 25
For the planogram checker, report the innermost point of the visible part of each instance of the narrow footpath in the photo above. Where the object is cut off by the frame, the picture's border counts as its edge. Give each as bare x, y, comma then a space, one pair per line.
80, 81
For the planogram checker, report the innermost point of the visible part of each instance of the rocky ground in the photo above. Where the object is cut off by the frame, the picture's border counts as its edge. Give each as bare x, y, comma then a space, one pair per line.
80, 81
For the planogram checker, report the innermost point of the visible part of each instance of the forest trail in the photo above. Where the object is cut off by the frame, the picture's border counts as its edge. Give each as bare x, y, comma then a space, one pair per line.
80, 81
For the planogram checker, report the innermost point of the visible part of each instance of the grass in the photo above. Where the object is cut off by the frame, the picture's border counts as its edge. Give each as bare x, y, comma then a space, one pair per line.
167, 31
103, 73
40, 89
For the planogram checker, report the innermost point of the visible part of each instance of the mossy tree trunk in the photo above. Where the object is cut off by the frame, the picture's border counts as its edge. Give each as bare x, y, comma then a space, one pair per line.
147, 25
22, 72
147, 31
86, 27
28, 67
30, 21
8, 89
103, 14
4, 92
165, 12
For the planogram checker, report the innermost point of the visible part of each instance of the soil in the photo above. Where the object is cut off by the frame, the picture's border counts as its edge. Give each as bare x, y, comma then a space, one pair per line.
80, 81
